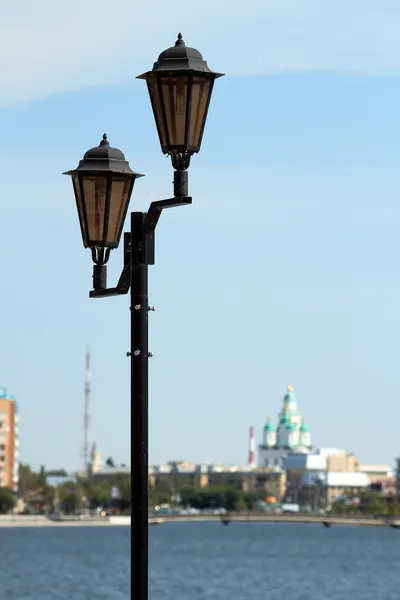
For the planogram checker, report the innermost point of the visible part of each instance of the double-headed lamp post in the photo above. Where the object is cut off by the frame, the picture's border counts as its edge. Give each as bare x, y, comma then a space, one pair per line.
180, 87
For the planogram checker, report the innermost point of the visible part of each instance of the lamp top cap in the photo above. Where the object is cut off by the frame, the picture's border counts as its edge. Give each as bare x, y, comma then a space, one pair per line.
104, 150
180, 58
104, 159
180, 50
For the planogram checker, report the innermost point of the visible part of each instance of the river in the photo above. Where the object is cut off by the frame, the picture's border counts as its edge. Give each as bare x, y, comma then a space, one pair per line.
189, 561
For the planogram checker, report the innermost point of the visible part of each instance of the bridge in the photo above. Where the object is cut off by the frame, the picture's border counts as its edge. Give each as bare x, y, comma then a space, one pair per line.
279, 518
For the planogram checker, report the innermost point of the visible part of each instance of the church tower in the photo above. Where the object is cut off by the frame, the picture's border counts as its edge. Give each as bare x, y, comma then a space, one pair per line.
290, 435
269, 434
283, 434
95, 460
305, 436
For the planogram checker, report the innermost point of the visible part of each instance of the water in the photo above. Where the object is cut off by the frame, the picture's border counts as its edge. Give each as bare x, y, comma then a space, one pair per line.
74, 563
189, 561
271, 561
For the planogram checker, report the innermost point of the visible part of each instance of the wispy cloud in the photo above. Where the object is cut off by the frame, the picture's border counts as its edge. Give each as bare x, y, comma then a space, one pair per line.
48, 47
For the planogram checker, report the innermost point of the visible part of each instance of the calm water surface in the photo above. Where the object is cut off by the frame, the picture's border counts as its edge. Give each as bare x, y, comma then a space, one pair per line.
262, 561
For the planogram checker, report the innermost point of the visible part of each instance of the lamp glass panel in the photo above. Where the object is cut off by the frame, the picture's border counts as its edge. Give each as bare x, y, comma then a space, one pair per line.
201, 90
121, 190
156, 102
78, 198
174, 93
95, 194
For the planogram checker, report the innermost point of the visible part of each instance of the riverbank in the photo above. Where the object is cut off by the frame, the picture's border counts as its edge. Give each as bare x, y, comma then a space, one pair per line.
43, 521
298, 518
118, 521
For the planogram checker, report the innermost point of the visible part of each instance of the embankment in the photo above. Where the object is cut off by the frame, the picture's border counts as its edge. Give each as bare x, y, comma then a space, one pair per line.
42, 521
298, 518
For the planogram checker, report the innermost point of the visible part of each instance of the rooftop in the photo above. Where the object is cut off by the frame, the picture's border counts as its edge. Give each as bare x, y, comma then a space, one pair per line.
377, 469
337, 479
192, 468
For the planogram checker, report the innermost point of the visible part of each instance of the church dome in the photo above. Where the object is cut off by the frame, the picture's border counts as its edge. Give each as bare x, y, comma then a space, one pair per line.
304, 428
291, 427
289, 397
269, 426
284, 419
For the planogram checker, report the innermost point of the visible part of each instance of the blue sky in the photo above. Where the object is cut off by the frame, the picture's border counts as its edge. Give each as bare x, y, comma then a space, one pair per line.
285, 269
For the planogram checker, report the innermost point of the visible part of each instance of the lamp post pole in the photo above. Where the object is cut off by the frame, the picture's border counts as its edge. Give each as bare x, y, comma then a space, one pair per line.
139, 414
180, 87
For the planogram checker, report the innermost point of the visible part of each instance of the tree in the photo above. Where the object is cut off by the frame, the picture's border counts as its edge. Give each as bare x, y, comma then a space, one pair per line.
124, 486
241, 506
163, 487
42, 480
214, 496
67, 488
28, 480
162, 498
48, 496
230, 498
125, 490
372, 503
190, 496
72, 502
252, 497
98, 495
393, 509
110, 462
7, 500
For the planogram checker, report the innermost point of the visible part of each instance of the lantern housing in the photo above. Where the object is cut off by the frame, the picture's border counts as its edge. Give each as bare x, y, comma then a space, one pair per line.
180, 87
103, 184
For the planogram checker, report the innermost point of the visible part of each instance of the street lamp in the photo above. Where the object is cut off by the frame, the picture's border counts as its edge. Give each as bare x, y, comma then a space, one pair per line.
103, 184
180, 87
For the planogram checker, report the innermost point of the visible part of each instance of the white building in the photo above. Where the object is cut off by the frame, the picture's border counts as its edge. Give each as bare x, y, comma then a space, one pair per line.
329, 472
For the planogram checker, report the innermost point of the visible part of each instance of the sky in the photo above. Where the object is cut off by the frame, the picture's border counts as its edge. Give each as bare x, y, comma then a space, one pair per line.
285, 270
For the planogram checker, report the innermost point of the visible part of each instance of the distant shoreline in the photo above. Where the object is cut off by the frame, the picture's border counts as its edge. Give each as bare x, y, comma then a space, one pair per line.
43, 521
297, 518
125, 521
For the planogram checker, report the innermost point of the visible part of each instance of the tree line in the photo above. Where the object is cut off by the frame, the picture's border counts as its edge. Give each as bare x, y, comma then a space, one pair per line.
76, 494
70, 496
73, 495
369, 503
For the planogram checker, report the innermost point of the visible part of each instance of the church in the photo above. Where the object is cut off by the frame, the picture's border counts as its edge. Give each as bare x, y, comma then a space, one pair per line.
291, 435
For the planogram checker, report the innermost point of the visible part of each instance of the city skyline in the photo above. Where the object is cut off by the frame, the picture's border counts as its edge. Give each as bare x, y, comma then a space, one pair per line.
256, 446
283, 271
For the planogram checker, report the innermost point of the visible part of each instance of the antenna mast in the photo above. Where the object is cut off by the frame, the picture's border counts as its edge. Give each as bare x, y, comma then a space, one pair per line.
86, 416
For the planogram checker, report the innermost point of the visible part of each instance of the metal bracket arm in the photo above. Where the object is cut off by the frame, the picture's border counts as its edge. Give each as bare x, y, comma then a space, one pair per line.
145, 250
123, 284
150, 224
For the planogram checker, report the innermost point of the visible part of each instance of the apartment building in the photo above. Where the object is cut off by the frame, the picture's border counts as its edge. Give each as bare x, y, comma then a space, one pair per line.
9, 441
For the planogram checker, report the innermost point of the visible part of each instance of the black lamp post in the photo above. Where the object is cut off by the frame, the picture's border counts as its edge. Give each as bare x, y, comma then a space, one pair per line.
180, 87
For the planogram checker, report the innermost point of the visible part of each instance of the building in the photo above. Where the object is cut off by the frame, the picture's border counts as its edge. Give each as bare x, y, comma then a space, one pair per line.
9, 441
95, 464
100, 472
378, 473
291, 435
320, 477
382, 479
271, 480
397, 475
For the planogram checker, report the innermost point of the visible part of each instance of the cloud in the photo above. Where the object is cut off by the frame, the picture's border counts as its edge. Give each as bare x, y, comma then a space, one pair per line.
48, 47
